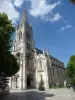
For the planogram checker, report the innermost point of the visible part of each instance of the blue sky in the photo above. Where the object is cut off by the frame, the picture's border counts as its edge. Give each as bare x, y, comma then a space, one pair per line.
53, 23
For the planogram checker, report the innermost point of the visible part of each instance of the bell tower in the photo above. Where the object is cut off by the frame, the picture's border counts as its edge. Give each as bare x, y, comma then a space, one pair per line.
24, 51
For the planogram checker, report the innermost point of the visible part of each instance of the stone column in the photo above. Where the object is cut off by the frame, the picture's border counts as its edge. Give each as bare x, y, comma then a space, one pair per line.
24, 74
10, 82
46, 73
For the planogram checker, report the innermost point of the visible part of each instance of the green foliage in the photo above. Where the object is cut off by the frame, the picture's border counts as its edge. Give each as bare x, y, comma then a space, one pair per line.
15, 65
52, 86
61, 86
8, 63
41, 86
6, 31
10, 66
73, 81
71, 69
56, 86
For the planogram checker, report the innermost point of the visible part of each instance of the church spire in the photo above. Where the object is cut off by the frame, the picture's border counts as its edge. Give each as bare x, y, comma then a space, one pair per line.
24, 17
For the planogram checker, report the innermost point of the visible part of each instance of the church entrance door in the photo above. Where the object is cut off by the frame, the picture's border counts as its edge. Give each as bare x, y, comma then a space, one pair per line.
30, 81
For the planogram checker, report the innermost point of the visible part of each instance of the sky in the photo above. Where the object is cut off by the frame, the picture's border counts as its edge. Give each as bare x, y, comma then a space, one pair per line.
53, 23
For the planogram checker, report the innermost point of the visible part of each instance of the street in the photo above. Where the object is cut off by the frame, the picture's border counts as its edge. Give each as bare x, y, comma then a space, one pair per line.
52, 94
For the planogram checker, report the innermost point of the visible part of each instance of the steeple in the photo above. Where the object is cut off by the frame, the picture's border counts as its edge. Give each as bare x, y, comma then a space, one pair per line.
24, 17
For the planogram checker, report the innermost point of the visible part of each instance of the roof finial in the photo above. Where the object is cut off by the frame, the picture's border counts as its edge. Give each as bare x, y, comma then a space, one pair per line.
24, 16
47, 52
43, 51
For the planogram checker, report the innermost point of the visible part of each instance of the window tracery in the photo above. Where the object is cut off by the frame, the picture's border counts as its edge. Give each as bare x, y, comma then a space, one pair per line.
20, 35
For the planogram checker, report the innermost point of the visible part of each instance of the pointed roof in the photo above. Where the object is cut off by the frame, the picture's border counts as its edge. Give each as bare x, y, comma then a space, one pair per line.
24, 17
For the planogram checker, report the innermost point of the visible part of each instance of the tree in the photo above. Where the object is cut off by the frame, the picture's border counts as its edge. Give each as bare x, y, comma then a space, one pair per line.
71, 69
73, 1
15, 65
8, 63
10, 66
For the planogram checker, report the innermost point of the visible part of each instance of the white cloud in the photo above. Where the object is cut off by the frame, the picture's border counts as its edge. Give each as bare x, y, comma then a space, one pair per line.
7, 7
66, 21
56, 17
18, 3
69, 26
53, 18
38, 8
65, 27
41, 8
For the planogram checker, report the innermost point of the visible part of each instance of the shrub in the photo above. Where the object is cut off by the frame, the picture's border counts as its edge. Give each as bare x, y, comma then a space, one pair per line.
56, 86
41, 86
61, 86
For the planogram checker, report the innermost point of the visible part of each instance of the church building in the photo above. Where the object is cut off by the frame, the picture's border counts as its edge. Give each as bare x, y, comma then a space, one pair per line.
35, 65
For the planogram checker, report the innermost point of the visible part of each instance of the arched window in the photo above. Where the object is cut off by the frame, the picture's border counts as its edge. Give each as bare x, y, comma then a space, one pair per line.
58, 72
20, 35
40, 64
18, 58
14, 48
53, 71
41, 78
28, 46
28, 36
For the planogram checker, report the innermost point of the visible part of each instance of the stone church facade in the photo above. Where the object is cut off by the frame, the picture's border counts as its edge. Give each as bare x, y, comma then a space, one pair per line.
35, 65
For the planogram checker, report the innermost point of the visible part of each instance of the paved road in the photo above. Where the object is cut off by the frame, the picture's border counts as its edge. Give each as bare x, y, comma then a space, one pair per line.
53, 94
